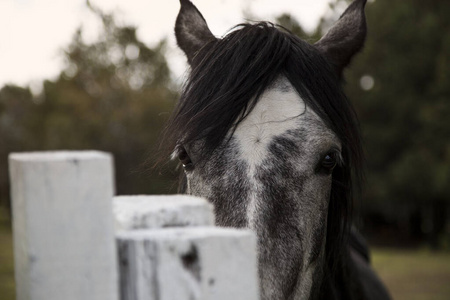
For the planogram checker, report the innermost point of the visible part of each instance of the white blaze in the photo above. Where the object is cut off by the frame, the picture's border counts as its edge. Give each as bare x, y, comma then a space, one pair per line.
275, 113
279, 110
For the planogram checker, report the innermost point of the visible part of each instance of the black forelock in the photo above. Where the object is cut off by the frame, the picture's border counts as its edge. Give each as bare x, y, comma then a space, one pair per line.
229, 75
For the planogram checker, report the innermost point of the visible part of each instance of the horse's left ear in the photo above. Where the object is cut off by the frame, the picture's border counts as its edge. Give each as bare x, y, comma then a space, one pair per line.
346, 37
191, 30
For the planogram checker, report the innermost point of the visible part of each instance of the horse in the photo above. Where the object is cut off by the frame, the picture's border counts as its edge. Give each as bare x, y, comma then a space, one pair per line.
264, 131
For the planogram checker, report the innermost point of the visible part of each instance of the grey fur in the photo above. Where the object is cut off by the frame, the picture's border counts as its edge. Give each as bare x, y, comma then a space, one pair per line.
292, 200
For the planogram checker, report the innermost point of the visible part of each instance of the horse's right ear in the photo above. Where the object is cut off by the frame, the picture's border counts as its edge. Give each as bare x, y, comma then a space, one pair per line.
191, 30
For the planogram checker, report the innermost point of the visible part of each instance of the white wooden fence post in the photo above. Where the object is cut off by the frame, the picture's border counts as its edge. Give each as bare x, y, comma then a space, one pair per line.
64, 242
167, 253
188, 263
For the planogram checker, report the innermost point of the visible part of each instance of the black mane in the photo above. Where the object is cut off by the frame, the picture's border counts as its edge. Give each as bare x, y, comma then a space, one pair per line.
228, 75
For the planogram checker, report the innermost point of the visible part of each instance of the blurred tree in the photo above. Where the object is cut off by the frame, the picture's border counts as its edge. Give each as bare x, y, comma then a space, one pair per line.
290, 23
16, 108
400, 85
113, 95
121, 91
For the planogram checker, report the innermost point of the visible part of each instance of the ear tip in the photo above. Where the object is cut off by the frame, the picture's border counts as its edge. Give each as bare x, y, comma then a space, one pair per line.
357, 5
360, 4
186, 3
356, 9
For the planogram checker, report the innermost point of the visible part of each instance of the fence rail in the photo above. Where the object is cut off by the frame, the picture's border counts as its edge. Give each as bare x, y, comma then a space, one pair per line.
74, 240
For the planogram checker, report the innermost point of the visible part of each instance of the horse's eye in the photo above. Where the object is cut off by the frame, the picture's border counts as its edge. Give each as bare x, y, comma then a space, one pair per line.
185, 159
329, 162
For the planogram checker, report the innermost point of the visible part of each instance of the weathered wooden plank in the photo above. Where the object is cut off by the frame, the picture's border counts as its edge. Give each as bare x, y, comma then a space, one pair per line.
146, 212
191, 263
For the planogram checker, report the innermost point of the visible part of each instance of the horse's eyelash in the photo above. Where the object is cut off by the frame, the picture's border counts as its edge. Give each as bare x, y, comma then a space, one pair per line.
175, 153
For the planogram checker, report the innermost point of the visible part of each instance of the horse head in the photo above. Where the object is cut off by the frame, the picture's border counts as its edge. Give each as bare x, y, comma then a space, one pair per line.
264, 131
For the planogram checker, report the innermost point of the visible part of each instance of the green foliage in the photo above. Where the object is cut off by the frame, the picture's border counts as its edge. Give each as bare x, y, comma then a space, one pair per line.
404, 116
400, 86
114, 94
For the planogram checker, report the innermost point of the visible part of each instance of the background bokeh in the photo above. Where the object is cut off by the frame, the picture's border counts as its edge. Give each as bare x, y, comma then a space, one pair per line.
115, 93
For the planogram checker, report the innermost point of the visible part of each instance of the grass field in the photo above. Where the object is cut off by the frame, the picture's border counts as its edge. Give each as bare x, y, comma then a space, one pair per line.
414, 274
409, 274
7, 291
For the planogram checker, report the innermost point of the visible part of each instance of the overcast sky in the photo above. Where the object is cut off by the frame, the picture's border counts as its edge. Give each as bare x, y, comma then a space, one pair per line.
33, 32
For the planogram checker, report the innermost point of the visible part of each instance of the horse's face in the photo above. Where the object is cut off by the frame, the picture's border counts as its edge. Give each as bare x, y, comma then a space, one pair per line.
274, 176
273, 171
